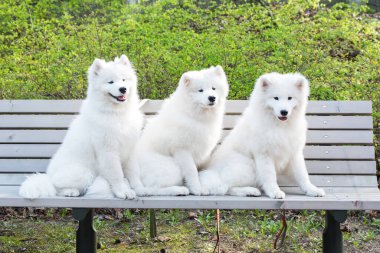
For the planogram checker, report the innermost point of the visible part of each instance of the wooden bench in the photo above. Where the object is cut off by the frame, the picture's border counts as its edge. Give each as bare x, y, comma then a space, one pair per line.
339, 153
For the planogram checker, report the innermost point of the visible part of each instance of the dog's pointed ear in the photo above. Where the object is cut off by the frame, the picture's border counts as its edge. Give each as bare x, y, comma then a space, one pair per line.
302, 83
219, 70
264, 82
185, 79
123, 60
97, 66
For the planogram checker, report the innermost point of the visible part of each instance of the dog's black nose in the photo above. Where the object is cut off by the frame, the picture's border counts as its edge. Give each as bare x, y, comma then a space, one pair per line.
123, 90
284, 113
211, 98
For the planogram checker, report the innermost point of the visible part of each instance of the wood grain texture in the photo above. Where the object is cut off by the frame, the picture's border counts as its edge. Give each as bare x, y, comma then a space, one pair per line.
333, 201
318, 180
310, 152
316, 167
152, 106
313, 136
59, 121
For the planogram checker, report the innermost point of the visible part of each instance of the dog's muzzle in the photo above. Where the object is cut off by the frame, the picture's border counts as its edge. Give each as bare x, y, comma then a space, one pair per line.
121, 98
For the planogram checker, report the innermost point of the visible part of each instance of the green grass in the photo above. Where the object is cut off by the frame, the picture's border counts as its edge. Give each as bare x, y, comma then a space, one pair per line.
241, 231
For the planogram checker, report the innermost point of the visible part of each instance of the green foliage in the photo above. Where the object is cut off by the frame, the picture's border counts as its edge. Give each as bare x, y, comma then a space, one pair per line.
47, 46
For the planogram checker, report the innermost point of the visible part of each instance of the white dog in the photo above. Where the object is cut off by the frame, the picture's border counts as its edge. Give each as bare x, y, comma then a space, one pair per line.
99, 141
181, 136
267, 141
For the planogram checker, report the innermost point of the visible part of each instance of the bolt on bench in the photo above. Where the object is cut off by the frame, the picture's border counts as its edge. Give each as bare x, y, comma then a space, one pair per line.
339, 157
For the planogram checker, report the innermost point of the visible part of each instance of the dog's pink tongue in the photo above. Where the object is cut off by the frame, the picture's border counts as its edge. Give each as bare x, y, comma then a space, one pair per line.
283, 118
122, 98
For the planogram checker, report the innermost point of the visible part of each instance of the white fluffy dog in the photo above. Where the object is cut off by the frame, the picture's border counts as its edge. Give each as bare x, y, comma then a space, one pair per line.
267, 141
99, 141
181, 136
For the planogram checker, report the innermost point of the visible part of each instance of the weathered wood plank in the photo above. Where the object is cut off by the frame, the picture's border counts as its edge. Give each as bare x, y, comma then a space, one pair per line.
314, 166
28, 150
40, 106
36, 121
14, 189
339, 152
23, 165
151, 106
311, 152
323, 181
63, 122
333, 201
313, 137
339, 137
32, 136
341, 167
332, 137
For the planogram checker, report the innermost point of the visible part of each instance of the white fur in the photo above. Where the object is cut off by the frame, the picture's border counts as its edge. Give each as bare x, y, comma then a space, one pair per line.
261, 146
99, 140
181, 136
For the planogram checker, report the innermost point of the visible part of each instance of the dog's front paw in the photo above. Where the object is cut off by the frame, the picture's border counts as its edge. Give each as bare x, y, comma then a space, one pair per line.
195, 190
205, 191
122, 191
180, 191
69, 192
253, 192
277, 194
315, 192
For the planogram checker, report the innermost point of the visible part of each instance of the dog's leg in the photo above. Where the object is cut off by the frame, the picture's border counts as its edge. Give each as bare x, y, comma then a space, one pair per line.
132, 173
298, 172
189, 170
244, 191
267, 178
110, 168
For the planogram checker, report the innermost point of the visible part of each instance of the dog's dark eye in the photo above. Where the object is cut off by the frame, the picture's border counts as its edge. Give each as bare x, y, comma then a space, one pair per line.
289, 98
201, 90
123, 80
110, 82
213, 88
275, 98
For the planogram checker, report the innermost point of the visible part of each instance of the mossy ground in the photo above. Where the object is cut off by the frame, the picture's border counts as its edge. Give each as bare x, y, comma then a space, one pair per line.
185, 231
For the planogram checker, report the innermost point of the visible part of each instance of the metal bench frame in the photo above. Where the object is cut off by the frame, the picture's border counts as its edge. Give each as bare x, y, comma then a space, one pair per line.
339, 156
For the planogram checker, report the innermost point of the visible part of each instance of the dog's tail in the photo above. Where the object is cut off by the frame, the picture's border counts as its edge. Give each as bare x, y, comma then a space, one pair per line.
100, 188
37, 186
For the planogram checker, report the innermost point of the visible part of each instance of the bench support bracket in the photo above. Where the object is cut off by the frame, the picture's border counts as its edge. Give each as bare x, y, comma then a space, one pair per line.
152, 223
332, 235
86, 234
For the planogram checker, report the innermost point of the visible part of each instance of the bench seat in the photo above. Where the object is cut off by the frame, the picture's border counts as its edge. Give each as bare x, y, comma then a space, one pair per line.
340, 158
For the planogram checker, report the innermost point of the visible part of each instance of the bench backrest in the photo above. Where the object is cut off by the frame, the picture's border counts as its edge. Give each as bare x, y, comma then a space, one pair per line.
339, 154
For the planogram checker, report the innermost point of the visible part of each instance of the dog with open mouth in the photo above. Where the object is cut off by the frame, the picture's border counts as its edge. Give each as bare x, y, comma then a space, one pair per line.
266, 144
99, 141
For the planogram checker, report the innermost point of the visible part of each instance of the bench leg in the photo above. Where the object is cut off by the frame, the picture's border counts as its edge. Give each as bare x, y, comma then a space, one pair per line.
332, 236
86, 234
152, 223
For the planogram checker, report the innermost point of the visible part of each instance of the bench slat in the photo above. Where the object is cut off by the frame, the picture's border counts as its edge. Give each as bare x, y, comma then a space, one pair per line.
314, 166
333, 201
339, 152
32, 136
63, 122
311, 152
318, 180
313, 136
151, 106
14, 189
341, 167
